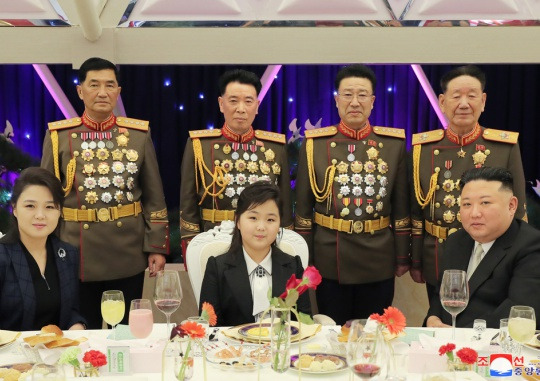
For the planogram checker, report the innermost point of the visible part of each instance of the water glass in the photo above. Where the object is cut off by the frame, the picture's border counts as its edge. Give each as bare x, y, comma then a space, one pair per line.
479, 326
47, 372
505, 341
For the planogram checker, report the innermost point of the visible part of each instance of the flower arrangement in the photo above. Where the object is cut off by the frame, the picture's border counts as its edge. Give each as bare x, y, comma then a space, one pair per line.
465, 356
92, 360
392, 323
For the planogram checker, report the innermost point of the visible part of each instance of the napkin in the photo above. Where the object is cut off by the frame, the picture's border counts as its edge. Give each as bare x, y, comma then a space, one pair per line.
122, 332
434, 343
7, 337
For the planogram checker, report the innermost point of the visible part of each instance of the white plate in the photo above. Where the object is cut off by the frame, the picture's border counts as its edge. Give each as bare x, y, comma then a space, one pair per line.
341, 363
246, 360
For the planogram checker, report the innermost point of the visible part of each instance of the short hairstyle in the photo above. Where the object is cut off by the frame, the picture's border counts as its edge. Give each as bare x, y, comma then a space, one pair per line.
96, 63
252, 196
502, 175
32, 176
241, 76
469, 70
357, 71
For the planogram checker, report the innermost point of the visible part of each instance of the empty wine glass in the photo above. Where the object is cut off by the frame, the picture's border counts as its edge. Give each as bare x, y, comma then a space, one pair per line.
521, 323
364, 354
168, 294
454, 294
113, 308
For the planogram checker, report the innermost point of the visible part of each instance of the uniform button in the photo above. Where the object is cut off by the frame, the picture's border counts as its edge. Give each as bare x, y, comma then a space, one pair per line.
437, 169
126, 133
83, 207
263, 149
166, 237
164, 246
216, 162
439, 222
436, 152
167, 226
119, 206
119, 224
333, 144
334, 161
75, 153
81, 188
437, 204
381, 145
441, 240
74, 135
86, 226
220, 197
340, 196
376, 215
487, 152
438, 187
378, 197
216, 146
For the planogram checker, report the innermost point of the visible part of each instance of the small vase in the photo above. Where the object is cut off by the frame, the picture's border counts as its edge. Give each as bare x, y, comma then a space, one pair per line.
456, 365
178, 360
280, 339
89, 371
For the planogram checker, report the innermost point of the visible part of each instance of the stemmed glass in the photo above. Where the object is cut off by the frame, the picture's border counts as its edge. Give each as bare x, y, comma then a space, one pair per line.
168, 294
113, 308
141, 320
363, 356
454, 294
521, 323
48, 372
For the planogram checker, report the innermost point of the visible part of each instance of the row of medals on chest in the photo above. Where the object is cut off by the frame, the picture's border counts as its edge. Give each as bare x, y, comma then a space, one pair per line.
449, 185
248, 163
102, 146
370, 167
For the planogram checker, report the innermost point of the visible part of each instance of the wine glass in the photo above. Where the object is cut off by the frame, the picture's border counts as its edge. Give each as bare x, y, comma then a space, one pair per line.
141, 320
521, 323
454, 294
48, 372
364, 356
168, 294
113, 308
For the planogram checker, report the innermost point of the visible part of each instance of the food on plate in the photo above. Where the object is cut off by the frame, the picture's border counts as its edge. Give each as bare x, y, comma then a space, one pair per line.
52, 329
264, 332
62, 342
9, 374
318, 362
229, 352
305, 361
262, 354
52, 337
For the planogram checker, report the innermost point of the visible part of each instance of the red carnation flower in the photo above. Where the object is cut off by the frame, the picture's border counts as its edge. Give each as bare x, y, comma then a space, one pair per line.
95, 358
467, 355
446, 348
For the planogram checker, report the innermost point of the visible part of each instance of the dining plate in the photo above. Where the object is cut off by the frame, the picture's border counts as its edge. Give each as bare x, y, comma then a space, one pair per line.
7, 345
534, 343
318, 363
251, 331
238, 357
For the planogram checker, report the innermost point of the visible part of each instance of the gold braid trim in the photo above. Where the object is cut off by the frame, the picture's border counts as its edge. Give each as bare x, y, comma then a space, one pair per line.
324, 193
70, 169
422, 200
217, 176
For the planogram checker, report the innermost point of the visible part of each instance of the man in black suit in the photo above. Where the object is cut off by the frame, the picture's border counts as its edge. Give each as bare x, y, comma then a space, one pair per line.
500, 253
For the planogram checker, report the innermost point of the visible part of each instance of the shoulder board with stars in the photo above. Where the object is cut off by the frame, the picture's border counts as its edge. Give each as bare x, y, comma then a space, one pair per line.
271, 136
135, 124
320, 132
390, 131
502, 136
427, 137
66, 123
198, 134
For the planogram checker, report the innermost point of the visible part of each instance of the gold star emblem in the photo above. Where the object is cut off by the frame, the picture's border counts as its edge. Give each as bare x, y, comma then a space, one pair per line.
461, 153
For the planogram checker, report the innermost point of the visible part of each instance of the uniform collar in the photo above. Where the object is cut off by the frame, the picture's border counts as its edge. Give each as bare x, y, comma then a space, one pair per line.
355, 134
103, 126
468, 138
234, 137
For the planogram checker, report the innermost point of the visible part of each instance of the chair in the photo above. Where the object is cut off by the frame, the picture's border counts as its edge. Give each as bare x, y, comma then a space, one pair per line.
216, 241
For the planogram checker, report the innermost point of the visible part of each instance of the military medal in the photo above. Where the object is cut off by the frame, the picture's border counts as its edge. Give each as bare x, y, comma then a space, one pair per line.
369, 207
345, 211
343, 179
369, 166
106, 197
229, 179
103, 168
456, 184
358, 203
357, 191
91, 197
458, 216
130, 182
92, 145
265, 167
131, 168
102, 153
370, 191
234, 203
449, 200
384, 181
269, 154
458, 201
351, 148
447, 165
129, 196
461, 153
356, 179
372, 153
226, 149
117, 154
379, 206
109, 144
240, 165
370, 179
84, 145
448, 185
241, 179
122, 140
87, 154
118, 181
104, 182
235, 155
132, 155
382, 191
239, 190
252, 167
382, 166
227, 165
246, 154
253, 179
449, 216
342, 167
230, 192
357, 166
90, 183
88, 169
118, 167
253, 148
101, 144
276, 169
119, 196
344, 190
479, 158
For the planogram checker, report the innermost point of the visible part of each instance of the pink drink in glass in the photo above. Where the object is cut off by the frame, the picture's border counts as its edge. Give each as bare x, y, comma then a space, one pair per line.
141, 322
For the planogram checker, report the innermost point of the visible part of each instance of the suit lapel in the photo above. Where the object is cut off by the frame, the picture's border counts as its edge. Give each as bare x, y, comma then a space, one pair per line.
238, 280
280, 275
60, 254
22, 273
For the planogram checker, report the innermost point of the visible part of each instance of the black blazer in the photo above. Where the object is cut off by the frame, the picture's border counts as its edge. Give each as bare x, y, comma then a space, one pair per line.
226, 285
17, 297
508, 275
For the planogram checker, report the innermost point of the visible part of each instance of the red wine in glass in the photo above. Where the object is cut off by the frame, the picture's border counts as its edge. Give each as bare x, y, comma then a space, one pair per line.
366, 371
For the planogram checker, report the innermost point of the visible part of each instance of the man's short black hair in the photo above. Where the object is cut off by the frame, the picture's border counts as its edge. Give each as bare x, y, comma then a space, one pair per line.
357, 71
241, 76
469, 70
96, 63
502, 175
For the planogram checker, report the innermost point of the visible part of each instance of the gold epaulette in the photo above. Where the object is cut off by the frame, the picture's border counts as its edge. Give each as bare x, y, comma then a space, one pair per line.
427, 137
136, 124
271, 136
205, 133
66, 123
390, 131
319, 132
502, 136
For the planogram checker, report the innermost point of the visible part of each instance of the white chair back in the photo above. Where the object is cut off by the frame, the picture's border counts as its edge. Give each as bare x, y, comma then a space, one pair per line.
217, 241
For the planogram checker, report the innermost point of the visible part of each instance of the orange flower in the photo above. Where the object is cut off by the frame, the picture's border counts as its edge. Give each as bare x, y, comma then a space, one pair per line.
192, 329
394, 320
209, 314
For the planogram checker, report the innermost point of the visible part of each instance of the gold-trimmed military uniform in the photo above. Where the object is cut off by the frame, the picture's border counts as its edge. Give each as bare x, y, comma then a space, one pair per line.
114, 209
217, 165
439, 158
353, 202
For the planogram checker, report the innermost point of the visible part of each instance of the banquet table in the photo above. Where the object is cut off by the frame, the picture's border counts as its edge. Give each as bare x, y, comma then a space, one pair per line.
97, 339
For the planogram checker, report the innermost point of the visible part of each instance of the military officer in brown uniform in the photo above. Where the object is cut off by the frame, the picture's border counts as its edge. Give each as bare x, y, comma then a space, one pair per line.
219, 163
114, 209
440, 157
352, 203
